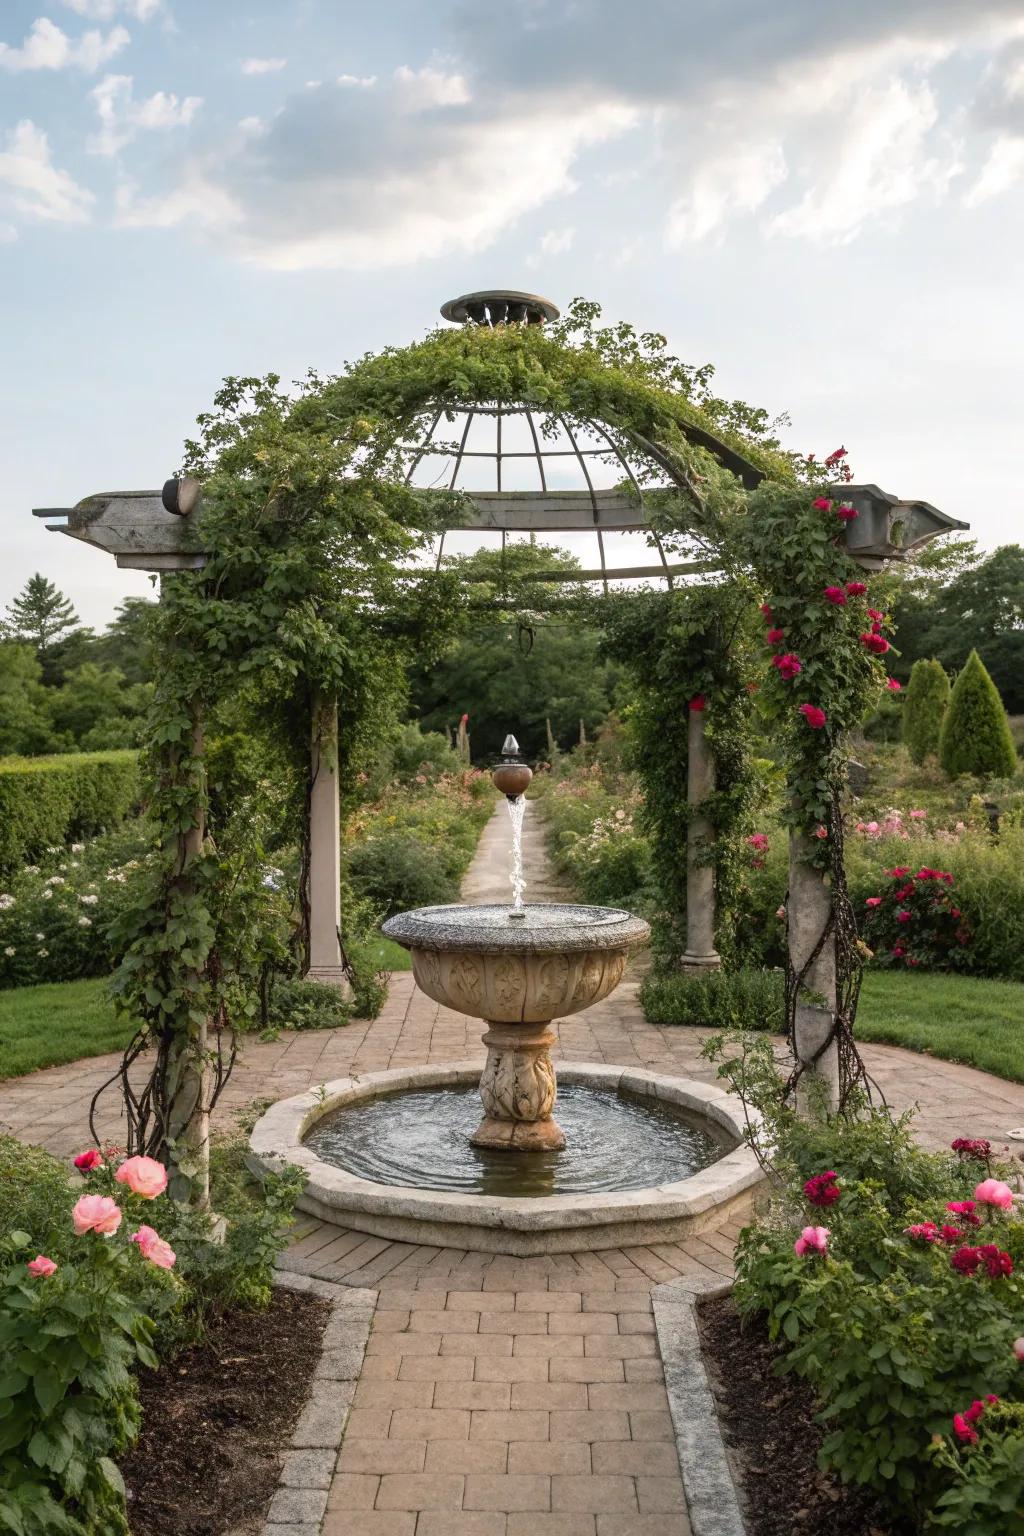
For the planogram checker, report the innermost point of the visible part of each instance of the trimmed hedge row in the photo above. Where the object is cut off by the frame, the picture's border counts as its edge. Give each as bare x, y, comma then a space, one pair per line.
45, 802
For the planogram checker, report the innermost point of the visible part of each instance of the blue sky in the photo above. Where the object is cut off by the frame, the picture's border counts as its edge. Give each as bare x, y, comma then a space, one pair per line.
823, 200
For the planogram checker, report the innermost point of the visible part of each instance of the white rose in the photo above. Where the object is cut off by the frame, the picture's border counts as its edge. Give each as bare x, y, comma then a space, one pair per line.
10, 950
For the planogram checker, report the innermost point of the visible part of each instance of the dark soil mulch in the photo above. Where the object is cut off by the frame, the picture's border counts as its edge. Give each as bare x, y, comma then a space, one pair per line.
768, 1423
215, 1418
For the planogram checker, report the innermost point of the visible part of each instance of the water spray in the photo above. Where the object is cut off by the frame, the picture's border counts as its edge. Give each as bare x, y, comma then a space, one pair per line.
511, 777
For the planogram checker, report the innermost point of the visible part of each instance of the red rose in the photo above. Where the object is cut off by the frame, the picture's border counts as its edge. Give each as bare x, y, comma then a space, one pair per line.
814, 716
788, 665
847, 514
697, 703
836, 596
87, 1161
822, 504
774, 636
856, 588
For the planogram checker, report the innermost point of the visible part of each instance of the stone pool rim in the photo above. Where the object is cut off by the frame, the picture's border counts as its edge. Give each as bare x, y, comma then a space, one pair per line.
501, 1223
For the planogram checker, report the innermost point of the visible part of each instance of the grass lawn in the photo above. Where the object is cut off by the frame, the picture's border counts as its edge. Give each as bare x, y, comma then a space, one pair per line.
59, 1021
979, 1023
62, 1021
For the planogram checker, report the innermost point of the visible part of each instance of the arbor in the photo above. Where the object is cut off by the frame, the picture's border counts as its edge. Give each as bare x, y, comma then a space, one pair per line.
924, 708
975, 734
40, 614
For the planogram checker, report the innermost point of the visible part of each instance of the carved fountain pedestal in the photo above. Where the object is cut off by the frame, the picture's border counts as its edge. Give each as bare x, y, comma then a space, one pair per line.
518, 972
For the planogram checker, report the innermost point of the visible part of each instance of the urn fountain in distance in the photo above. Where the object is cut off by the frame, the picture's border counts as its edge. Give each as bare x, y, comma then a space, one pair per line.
518, 967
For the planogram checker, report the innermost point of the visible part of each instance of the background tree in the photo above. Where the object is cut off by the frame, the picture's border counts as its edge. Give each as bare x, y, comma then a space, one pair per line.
924, 708
952, 602
975, 732
513, 669
40, 614
26, 716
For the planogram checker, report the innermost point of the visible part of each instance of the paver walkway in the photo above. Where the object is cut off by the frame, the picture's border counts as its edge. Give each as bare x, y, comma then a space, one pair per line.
504, 1396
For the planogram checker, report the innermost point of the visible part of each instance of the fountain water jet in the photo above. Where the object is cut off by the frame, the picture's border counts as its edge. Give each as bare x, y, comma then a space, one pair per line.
518, 967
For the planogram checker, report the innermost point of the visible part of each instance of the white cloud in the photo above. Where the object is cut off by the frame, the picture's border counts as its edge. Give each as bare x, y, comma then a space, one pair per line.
262, 66
195, 202
878, 155
737, 180
121, 117
47, 47
1003, 168
554, 241
362, 80
367, 180
103, 10
33, 185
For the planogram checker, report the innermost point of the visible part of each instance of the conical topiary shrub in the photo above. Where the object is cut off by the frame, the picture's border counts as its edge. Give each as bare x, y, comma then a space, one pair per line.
924, 708
975, 735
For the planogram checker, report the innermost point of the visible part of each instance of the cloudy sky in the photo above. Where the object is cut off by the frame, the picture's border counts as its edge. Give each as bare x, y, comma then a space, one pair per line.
823, 199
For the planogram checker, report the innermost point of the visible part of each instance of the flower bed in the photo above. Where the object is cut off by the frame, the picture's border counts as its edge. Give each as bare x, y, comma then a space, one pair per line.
96, 1283
892, 1280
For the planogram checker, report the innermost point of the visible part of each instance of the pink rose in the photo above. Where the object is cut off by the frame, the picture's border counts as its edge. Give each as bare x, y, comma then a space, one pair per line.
847, 514
87, 1161
903, 916
144, 1176
153, 1247
814, 716
992, 1192
812, 1240
96, 1213
822, 504
780, 912
1018, 1349
873, 901
41, 1266
788, 665
821, 832
893, 685
918, 815
836, 596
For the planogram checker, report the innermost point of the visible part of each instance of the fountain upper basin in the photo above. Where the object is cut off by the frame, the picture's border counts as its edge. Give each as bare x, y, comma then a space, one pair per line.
548, 963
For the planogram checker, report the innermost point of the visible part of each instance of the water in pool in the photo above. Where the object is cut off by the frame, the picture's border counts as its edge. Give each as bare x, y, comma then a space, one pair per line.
421, 1138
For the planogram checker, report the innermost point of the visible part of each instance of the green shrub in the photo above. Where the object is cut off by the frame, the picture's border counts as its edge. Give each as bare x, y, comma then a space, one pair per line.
48, 801
55, 916
743, 999
976, 735
397, 871
308, 1005
924, 708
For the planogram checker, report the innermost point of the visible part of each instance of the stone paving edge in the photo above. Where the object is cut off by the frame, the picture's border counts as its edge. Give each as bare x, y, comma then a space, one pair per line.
308, 1462
712, 1499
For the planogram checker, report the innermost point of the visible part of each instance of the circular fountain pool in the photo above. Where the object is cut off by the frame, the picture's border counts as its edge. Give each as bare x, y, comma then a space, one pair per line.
421, 1139
650, 1159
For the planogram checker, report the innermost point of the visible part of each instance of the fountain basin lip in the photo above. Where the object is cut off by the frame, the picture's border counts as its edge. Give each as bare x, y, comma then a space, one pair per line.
500, 1223
549, 927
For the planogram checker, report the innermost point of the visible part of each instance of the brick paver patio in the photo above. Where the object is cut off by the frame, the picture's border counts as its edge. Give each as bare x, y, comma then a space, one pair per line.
504, 1396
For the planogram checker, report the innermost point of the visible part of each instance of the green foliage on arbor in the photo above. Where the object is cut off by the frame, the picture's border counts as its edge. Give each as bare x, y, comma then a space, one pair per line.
924, 708
694, 644
47, 801
976, 735
40, 614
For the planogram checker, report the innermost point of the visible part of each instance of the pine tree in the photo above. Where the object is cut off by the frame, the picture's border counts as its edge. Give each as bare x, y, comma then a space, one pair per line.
924, 709
40, 614
975, 734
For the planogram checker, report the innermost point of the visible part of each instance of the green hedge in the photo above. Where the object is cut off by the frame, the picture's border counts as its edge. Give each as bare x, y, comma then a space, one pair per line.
47, 801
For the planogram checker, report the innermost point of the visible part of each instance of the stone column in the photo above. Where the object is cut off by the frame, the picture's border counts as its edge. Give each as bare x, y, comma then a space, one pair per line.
518, 1090
188, 1114
701, 954
809, 907
325, 850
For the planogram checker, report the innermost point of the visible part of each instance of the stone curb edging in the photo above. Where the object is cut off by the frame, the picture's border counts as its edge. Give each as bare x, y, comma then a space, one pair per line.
299, 1504
504, 1224
711, 1497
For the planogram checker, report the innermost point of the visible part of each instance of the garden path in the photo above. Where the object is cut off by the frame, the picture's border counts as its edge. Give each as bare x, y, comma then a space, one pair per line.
503, 1396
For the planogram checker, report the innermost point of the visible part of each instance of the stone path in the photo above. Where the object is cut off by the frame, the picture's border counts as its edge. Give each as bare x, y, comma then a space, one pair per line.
503, 1396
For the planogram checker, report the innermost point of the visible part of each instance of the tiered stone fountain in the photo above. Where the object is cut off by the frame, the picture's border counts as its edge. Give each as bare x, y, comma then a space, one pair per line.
648, 1158
518, 967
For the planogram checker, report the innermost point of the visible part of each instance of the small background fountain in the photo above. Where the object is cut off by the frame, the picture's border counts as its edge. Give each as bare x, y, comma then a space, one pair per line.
518, 967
